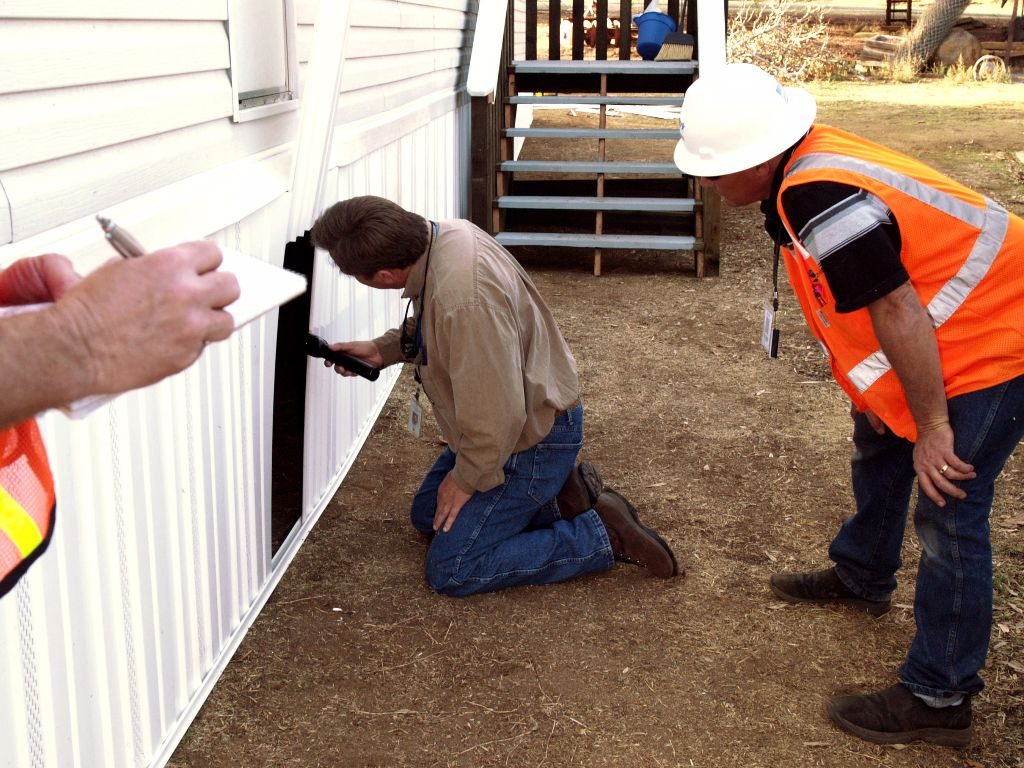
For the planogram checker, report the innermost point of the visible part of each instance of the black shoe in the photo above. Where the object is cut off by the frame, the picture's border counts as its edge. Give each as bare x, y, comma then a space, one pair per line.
580, 491
822, 587
897, 716
631, 540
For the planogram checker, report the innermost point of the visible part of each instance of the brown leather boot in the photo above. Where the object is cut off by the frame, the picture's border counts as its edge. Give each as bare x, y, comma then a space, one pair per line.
896, 716
631, 540
822, 587
580, 491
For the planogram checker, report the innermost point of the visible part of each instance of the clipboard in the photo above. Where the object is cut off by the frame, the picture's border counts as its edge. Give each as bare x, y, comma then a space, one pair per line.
262, 286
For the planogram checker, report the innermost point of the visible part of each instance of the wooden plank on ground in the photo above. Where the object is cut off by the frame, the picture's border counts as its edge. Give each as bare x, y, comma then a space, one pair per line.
999, 48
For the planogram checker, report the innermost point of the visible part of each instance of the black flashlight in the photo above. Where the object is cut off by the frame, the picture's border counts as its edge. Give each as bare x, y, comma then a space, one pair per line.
317, 347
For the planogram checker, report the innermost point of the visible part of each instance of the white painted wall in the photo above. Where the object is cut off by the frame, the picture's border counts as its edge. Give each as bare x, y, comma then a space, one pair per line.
161, 557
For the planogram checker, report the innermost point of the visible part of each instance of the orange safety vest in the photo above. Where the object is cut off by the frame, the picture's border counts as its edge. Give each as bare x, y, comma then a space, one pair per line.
965, 257
27, 502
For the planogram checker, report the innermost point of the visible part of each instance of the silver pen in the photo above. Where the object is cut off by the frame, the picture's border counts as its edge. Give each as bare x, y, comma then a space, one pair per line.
120, 240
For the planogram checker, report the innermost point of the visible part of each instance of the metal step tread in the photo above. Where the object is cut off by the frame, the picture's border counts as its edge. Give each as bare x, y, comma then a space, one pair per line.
578, 203
610, 66
583, 166
590, 240
593, 133
646, 101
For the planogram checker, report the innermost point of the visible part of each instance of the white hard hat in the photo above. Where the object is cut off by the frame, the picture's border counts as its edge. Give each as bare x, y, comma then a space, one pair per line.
737, 117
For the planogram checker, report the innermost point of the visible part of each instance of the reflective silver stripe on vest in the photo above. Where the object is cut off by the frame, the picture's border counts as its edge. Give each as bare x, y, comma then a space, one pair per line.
992, 221
849, 219
983, 254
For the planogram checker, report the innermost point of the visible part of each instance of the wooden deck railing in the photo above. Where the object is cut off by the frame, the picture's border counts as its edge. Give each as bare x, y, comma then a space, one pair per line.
603, 36
487, 112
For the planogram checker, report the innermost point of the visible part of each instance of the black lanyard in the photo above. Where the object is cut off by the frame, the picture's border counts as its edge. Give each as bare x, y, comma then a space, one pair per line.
775, 276
417, 349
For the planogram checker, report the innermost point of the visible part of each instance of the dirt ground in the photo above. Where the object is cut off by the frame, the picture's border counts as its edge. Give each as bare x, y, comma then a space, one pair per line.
740, 462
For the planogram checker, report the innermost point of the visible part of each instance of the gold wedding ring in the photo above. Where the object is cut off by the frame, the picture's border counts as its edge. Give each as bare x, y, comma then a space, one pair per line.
943, 468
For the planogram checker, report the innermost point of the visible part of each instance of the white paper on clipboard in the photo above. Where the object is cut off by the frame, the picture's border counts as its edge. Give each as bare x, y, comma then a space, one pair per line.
262, 287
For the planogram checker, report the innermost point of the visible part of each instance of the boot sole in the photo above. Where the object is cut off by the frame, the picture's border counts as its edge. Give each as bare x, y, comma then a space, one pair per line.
944, 737
651, 533
869, 606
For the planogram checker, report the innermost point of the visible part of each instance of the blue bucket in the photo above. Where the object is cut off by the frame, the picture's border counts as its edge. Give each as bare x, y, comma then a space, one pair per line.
651, 28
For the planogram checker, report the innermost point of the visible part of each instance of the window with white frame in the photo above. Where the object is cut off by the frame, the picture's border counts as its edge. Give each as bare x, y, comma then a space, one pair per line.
264, 66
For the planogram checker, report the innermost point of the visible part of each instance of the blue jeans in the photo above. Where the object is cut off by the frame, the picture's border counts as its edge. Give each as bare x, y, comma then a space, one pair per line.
953, 598
513, 534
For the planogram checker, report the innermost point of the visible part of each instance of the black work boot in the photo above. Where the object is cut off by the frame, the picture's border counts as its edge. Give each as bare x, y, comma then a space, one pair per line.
897, 716
822, 587
631, 540
580, 491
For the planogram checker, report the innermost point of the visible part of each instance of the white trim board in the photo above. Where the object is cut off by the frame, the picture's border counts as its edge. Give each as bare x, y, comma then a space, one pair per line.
354, 141
188, 210
57, 192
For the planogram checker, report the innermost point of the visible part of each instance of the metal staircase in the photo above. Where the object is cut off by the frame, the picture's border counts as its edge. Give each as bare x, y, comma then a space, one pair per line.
598, 204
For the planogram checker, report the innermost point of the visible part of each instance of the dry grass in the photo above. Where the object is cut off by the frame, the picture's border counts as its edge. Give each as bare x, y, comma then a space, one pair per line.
790, 41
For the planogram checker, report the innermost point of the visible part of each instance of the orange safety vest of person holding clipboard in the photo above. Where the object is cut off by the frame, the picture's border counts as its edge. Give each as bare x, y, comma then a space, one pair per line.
27, 502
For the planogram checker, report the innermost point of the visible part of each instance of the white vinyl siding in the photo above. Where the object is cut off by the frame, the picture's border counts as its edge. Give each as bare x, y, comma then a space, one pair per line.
405, 66
91, 181
112, 9
38, 55
305, 17
36, 127
398, 51
95, 97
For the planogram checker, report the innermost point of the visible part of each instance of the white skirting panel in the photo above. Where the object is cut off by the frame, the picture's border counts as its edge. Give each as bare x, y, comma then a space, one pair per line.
160, 553
161, 557
418, 171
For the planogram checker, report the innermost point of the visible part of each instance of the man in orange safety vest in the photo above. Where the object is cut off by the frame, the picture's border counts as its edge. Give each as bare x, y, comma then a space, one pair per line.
913, 284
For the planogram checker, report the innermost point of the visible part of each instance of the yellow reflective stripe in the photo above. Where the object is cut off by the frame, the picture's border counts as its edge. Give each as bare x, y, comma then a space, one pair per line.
18, 524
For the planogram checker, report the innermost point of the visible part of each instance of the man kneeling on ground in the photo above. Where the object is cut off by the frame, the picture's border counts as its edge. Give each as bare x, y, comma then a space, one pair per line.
505, 502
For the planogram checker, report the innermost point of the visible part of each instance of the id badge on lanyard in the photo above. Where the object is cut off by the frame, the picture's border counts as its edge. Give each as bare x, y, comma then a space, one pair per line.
769, 333
415, 423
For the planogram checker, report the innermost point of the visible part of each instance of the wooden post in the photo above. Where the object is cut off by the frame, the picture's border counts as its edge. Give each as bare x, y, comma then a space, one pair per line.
1011, 29
577, 30
602, 153
712, 230
673, 11
601, 38
531, 30
486, 113
625, 29
554, 31
481, 161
